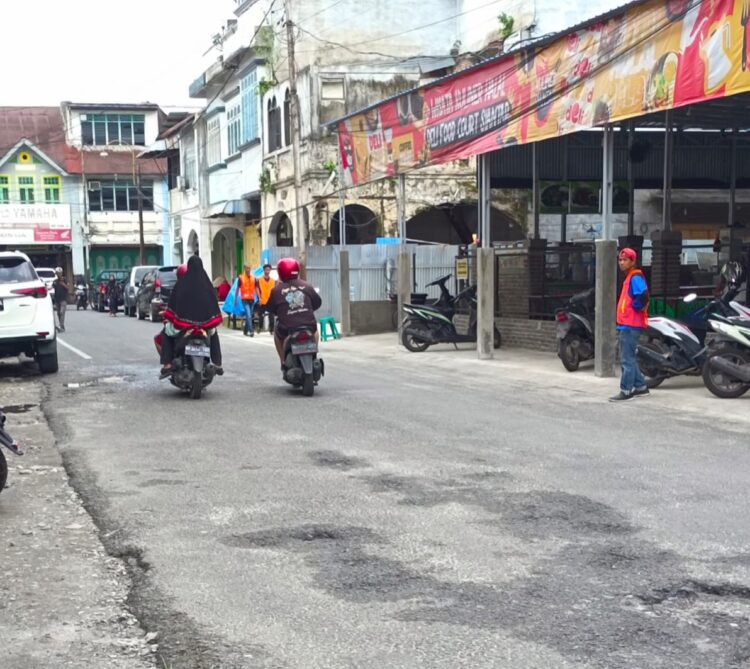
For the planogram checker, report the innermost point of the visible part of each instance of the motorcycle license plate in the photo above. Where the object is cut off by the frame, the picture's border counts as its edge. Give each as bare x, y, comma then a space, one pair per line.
197, 349
309, 347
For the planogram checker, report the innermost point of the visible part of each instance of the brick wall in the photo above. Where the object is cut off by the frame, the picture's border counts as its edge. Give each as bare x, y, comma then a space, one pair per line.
529, 334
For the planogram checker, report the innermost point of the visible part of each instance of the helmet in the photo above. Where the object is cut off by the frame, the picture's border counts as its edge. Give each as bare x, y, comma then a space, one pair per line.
58, 270
181, 270
288, 268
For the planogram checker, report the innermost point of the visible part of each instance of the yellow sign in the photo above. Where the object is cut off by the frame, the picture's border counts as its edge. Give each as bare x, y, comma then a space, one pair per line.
462, 269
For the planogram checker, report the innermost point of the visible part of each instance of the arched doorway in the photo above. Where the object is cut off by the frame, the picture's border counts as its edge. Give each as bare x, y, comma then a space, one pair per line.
456, 223
361, 225
227, 248
280, 231
193, 246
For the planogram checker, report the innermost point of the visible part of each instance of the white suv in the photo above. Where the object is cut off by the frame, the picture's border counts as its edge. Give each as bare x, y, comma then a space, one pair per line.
27, 320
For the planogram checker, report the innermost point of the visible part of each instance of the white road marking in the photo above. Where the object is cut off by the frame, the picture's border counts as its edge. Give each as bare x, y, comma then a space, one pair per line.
74, 349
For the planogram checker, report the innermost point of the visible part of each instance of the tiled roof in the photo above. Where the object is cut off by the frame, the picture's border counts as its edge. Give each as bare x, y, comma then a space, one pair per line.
42, 126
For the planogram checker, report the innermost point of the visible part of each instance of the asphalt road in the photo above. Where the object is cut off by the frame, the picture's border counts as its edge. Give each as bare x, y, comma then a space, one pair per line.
418, 511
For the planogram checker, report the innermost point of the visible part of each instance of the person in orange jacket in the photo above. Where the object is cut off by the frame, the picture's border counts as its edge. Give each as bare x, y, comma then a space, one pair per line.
632, 320
265, 286
248, 289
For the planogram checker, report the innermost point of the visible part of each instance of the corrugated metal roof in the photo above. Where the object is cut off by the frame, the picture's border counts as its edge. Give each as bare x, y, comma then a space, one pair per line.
542, 41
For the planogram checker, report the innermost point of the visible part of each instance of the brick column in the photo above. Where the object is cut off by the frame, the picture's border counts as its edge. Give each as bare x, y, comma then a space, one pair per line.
520, 276
665, 265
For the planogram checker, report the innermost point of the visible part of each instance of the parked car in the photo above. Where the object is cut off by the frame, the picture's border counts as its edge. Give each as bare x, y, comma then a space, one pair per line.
27, 321
47, 274
99, 298
131, 287
154, 291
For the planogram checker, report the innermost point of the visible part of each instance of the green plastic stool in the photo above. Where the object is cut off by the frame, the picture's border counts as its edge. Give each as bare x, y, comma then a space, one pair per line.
324, 323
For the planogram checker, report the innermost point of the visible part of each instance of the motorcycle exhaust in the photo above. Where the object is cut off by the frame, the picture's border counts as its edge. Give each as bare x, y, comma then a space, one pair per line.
740, 372
658, 359
425, 335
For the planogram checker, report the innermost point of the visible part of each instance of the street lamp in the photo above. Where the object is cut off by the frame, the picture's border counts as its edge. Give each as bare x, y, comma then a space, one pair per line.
137, 180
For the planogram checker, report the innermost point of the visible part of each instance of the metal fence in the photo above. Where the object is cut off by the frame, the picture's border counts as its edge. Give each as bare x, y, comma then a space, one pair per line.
372, 271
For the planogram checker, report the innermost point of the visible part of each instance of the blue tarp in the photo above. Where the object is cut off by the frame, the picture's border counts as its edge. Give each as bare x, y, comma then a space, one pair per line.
232, 304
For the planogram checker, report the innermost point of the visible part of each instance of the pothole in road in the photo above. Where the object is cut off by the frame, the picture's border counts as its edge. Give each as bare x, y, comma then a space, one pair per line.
17, 408
103, 380
337, 460
691, 591
290, 537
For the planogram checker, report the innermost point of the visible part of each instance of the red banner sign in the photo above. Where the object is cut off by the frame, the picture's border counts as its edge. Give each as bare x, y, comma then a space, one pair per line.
659, 55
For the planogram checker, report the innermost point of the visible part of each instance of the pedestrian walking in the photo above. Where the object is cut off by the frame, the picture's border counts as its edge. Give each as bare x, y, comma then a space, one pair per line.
60, 298
632, 320
249, 296
265, 286
112, 293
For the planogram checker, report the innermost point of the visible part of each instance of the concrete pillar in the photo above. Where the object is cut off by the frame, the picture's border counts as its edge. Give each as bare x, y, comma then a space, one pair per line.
346, 314
605, 334
403, 286
485, 303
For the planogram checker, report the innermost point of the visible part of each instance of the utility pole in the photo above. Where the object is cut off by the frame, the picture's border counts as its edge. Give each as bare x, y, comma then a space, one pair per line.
85, 230
296, 140
141, 244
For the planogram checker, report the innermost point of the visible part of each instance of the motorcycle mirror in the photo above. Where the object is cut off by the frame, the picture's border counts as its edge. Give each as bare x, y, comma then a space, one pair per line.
689, 297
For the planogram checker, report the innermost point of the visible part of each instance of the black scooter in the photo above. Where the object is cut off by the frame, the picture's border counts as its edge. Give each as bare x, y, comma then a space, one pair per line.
302, 366
575, 330
425, 324
192, 369
9, 443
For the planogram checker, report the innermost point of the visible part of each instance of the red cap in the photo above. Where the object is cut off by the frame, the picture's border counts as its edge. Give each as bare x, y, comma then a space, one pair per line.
628, 253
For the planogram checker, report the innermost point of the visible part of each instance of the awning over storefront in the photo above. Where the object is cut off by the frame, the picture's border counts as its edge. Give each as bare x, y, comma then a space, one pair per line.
240, 207
646, 57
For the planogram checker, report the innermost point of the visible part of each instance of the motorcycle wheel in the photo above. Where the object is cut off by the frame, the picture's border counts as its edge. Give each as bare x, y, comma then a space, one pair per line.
197, 387
3, 471
569, 352
653, 375
719, 383
413, 343
308, 385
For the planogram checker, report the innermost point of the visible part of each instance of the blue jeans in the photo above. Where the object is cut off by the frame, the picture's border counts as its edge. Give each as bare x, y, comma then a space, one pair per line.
631, 377
249, 306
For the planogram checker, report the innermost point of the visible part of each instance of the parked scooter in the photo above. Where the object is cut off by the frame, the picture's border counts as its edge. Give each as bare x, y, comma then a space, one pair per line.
302, 367
8, 442
726, 372
192, 369
425, 325
82, 299
575, 330
674, 348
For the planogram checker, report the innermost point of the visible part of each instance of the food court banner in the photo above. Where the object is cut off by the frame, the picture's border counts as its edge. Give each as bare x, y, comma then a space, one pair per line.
654, 56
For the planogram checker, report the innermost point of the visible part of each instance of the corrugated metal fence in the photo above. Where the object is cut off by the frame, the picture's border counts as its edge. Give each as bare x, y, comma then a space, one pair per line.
372, 268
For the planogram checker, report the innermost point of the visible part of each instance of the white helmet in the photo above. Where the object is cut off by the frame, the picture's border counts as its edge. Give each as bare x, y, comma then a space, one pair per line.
58, 270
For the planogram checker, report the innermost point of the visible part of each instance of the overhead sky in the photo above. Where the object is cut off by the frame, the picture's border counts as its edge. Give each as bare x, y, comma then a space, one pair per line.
107, 50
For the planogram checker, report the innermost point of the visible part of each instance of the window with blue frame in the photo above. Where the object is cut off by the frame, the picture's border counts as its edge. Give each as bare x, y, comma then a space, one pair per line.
119, 196
104, 129
249, 101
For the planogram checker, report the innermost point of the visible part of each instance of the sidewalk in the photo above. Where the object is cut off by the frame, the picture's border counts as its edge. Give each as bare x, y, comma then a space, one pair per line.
62, 598
686, 395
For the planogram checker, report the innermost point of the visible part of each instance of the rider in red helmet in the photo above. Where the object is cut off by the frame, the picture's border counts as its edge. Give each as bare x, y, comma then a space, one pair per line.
293, 302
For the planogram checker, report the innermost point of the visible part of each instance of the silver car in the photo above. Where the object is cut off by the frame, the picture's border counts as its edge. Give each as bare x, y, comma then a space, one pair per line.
131, 287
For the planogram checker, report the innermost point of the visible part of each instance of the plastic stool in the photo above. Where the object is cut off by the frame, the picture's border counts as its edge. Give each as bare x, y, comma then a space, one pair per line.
328, 321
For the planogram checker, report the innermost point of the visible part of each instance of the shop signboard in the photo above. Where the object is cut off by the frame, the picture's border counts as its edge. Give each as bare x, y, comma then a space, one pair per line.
35, 224
658, 55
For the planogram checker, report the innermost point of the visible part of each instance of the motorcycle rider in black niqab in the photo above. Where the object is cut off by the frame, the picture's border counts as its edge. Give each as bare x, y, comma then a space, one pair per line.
193, 303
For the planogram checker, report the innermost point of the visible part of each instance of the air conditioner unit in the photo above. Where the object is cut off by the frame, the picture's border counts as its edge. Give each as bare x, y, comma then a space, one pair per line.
181, 182
95, 185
